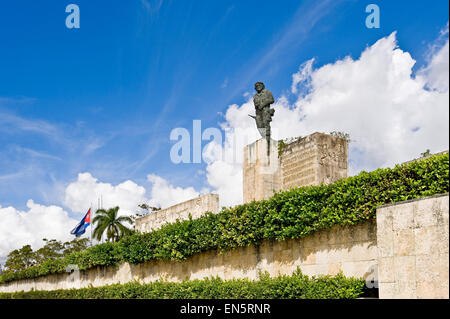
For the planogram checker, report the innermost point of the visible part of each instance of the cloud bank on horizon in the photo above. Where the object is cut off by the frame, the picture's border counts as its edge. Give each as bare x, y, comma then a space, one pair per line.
391, 114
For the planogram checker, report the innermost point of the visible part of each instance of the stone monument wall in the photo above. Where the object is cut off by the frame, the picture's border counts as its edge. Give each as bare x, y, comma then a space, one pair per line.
413, 249
196, 207
314, 159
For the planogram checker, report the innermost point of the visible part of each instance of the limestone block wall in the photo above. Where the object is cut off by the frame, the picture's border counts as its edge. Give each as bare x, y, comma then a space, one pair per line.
314, 159
413, 248
196, 207
352, 249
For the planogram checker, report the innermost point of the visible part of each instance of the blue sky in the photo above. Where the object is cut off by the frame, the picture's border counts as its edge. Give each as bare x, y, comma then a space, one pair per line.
104, 98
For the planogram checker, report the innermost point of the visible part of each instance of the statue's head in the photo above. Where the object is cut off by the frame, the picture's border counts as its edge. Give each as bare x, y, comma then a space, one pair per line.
259, 86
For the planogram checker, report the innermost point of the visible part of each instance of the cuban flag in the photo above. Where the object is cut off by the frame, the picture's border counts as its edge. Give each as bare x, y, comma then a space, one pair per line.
80, 229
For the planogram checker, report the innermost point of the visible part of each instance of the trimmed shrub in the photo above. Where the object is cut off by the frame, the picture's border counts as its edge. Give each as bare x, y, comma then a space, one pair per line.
296, 286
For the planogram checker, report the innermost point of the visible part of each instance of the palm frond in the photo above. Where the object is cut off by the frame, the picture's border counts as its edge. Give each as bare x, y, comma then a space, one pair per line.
107, 221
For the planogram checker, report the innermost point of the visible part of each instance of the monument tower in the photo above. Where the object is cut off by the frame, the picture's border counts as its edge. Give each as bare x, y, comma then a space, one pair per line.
270, 165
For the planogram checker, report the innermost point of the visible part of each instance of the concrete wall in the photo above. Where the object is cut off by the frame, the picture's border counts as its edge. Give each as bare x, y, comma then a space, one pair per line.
352, 249
196, 207
413, 248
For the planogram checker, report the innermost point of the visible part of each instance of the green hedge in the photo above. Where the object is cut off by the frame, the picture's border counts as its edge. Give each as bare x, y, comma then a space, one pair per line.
291, 214
297, 286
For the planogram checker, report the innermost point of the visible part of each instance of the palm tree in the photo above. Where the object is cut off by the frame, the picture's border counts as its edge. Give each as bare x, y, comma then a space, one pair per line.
107, 220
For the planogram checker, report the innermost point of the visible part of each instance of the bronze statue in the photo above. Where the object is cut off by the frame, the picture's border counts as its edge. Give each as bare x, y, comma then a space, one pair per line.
262, 100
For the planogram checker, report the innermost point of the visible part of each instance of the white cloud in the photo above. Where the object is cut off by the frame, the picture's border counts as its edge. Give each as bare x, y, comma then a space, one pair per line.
436, 73
19, 228
376, 99
127, 195
11, 123
163, 194
86, 190
224, 84
224, 169
389, 113
302, 76
152, 5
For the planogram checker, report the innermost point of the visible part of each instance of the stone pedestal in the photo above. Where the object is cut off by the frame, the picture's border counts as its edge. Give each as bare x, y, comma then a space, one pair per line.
261, 174
312, 160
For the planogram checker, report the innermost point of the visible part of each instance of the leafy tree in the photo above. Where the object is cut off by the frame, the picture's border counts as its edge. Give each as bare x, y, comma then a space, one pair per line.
52, 250
25, 257
426, 153
75, 245
107, 221
145, 210
20, 259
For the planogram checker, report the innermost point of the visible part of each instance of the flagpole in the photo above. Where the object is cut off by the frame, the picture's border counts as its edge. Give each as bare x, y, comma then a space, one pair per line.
98, 207
91, 222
